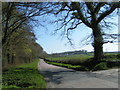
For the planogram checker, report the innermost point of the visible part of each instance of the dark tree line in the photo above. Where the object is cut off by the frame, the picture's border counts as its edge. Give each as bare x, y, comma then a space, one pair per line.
70, 53
18, 39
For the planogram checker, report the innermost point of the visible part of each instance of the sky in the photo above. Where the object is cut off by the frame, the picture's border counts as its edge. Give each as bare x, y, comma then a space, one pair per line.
55, 43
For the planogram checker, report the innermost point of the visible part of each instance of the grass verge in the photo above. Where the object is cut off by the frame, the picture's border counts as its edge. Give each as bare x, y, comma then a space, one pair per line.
69, 66
23, 76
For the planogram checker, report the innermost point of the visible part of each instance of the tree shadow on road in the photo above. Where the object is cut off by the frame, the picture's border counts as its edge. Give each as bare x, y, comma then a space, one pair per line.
54, 76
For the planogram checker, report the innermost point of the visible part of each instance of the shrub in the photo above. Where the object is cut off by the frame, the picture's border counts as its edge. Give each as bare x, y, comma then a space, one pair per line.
82, 68
100, 66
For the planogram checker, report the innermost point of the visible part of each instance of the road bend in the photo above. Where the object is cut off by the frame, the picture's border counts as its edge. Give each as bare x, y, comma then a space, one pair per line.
59, 77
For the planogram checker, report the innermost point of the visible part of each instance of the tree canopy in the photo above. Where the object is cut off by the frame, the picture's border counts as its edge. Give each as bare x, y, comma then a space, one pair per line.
18, 38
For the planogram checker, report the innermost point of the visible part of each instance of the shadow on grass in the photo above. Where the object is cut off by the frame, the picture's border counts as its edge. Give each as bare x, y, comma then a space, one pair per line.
22, 78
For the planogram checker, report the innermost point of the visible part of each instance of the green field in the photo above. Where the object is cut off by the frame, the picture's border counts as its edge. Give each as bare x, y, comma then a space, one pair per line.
85, 62
69, 57
82, 57
23, 76
72, 59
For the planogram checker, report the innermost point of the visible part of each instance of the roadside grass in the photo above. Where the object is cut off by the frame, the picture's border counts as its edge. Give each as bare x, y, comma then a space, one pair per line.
33, 65
65, 65
23, 76
69, 66
0, 80
85, 62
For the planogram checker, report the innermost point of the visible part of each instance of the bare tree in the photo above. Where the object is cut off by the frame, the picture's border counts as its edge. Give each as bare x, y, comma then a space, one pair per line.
93, 14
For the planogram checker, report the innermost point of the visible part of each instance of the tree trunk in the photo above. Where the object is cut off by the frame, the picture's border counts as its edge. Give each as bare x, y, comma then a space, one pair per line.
12, 61
8, 58
98, 43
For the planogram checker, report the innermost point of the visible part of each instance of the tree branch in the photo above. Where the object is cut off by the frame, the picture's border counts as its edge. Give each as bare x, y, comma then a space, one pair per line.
96, 10
82, 18
103, 15
90, 7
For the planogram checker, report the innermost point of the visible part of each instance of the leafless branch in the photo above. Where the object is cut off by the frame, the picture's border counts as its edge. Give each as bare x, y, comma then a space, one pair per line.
106, 13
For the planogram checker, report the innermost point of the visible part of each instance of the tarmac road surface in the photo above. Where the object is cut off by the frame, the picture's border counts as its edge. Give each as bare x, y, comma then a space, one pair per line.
59, 77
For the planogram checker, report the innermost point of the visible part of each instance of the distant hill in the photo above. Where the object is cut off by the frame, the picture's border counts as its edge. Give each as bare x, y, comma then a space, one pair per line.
77, 52
70, 53
113, 52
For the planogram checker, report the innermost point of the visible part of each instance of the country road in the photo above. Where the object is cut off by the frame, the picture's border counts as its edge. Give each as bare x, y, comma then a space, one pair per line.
58, 77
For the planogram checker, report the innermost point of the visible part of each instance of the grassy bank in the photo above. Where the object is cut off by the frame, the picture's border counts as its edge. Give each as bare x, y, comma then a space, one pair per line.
23, 76
84, 62
69, 66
